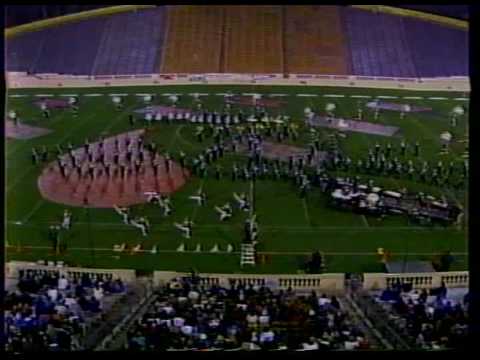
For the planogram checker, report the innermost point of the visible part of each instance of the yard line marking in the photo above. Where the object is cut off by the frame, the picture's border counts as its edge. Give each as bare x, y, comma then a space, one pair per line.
373, 253
305, 210
249, 94
196, 94
218, 94
365, 221
171, 94
265, 228
278, 95
333, 95
307, 95
437, 98
144, 94
44, 95
361, 96
461, 99
18, 95
33, 211
92, 95
118, 94
387, 97
413, 97
68, 95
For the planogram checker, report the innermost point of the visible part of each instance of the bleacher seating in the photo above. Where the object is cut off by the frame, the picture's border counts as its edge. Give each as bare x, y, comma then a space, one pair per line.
201, 39
50, 311
190, 316
428, 320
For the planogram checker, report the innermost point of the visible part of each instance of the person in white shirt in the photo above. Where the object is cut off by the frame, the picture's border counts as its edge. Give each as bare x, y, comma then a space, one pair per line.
98, 293
193, 295
62, 283
52, 294
264, 319
70, 300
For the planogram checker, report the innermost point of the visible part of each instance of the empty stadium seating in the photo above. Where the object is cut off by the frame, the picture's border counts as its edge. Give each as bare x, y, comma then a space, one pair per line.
194, 38
315, 41
245, 39
131, 43
253, 39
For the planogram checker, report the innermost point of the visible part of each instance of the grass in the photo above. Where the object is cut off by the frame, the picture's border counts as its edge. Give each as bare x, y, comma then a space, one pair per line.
290, 228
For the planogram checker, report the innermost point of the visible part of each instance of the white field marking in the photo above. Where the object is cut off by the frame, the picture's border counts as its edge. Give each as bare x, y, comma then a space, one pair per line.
171, 94
218, 94
68, 95
251, 94
305, 209
144, 94
196, 94
365, 221
437, 98
361, 96
387, 97
277, 95
92, 95
413, 97
333, 95
44, 95
265, 228
118, 94
238, 252
461, 99
33, 211
18, 95
307, 95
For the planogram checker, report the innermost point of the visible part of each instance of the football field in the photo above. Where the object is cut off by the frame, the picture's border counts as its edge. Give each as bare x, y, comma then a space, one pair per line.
290, 227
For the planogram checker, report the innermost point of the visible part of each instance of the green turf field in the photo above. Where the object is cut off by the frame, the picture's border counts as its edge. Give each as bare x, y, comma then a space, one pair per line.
290, 228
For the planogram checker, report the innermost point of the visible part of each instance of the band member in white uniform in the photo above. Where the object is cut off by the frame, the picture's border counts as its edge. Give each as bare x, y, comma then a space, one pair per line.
185, 227
67, 220
200, 198
225, 211
242, 201
124, 212
143, 224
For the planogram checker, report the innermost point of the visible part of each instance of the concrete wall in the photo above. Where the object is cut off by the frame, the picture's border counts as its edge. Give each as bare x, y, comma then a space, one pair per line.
22, 80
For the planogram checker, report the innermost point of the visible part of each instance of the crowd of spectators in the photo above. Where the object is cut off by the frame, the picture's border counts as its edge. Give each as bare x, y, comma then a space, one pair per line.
431, 319
48, 311
189, 316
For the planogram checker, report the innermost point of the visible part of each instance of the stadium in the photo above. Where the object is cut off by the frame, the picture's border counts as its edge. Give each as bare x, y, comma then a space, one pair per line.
196, 177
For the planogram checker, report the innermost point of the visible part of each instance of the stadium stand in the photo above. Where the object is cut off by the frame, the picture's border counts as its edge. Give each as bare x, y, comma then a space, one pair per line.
131, 43
193, 40
315, 40
422, 319
70, 49
290, 39
387, 45
451, 47
253, 39
376, 51
52, 311
23, 52
189, 316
